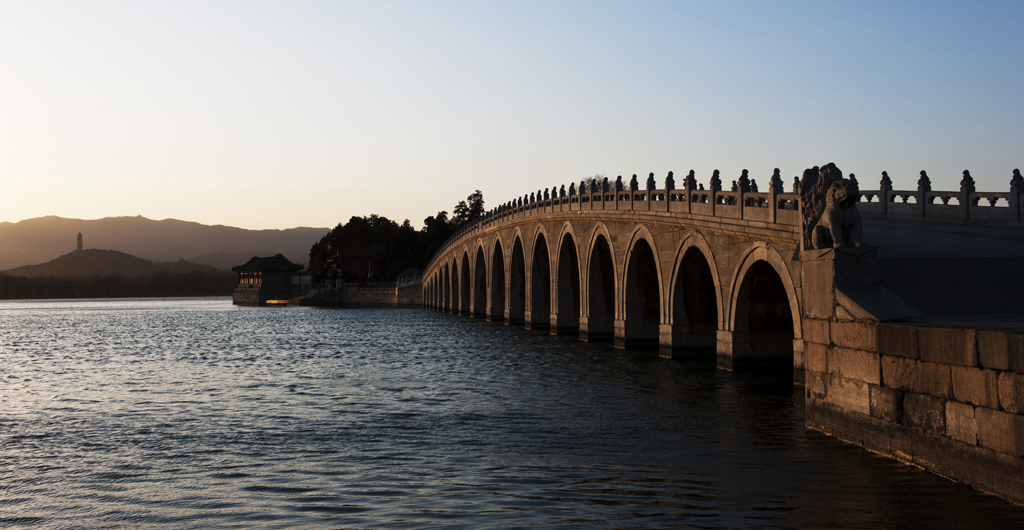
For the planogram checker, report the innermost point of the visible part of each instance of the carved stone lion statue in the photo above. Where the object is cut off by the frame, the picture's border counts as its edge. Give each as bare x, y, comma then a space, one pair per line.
831, 218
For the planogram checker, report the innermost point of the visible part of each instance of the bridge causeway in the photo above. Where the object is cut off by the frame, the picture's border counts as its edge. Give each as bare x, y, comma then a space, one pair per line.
781, 281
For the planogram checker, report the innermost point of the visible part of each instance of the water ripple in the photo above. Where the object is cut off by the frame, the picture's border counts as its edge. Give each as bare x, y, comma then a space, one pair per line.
199, 414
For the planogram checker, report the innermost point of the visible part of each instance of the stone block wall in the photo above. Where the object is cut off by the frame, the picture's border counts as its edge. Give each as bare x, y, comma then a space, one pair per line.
947, 399
258, 296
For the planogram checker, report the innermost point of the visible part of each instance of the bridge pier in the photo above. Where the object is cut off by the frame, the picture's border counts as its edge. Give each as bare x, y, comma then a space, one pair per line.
512, 319
739, 351
532, 323
563, 325
633, 335
595, 331
620, 333
674, 344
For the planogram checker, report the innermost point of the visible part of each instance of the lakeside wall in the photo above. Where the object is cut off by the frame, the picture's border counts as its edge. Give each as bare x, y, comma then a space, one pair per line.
377, 294
948, 399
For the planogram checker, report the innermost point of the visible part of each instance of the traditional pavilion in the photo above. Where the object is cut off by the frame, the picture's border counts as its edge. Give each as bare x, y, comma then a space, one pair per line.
268, 281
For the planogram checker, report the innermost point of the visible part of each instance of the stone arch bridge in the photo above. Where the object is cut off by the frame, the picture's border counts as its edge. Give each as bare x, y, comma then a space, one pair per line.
682, 270
688, 270
913, 348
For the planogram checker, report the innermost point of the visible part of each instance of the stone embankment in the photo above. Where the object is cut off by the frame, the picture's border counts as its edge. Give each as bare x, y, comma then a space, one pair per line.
376, 294
950, 400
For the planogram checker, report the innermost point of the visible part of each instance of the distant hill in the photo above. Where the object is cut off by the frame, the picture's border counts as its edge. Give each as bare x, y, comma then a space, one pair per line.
45, 238
93, 262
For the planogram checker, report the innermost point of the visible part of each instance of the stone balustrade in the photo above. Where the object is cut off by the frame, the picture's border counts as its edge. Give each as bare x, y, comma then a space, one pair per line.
773, 206
966, 205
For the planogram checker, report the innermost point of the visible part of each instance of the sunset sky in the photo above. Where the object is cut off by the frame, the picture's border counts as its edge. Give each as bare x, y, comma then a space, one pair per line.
283, 114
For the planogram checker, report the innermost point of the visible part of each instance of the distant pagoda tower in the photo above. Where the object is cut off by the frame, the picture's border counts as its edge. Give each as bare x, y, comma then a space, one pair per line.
79, 241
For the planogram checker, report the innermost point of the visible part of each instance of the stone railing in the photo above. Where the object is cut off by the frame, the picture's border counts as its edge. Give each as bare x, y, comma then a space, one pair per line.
743, 203
996, 208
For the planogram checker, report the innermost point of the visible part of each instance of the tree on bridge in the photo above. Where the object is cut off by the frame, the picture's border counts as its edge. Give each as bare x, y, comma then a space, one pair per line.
469, 210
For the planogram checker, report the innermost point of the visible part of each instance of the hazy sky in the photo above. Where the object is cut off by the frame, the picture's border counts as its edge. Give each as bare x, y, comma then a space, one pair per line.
282, 114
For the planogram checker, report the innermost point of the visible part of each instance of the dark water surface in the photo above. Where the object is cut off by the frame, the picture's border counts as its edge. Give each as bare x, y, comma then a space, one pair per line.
199, 414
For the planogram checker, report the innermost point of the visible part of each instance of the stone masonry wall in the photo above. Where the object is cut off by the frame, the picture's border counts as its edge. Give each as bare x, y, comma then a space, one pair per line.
949, 400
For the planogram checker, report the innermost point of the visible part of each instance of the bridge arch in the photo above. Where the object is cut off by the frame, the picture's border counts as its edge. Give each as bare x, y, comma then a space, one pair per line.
517, 280
453, 286
599, 274
695, 307
479, 289
764, 314
496, 298
567, 291
539, 301
641, 294
455, 297
452, 305
466, 285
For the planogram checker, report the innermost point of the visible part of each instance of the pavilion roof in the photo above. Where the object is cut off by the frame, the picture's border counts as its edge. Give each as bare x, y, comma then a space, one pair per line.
276, 263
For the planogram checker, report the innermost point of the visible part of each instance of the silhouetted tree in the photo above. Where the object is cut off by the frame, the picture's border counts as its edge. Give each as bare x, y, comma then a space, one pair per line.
469, 209
375, 248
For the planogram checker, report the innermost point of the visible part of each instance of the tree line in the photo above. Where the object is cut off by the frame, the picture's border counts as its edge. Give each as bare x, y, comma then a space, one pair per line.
376, 248
372, 248
158, 285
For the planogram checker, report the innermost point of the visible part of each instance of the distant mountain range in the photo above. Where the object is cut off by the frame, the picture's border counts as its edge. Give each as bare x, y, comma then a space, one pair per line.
39, 240
93, 261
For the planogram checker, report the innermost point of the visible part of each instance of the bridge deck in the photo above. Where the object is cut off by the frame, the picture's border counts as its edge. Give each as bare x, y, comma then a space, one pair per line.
953, 274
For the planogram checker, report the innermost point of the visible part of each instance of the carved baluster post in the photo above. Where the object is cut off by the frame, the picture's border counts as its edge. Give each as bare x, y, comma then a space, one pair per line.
966, 189
1016, 191
713, 189
670, 186
884, 187
651, 184
634, 186
742, 188
618, 190
924, 185
774, 189
744, 181
690, 184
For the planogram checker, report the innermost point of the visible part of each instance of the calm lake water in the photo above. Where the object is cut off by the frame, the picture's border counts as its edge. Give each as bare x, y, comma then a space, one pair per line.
199, 414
